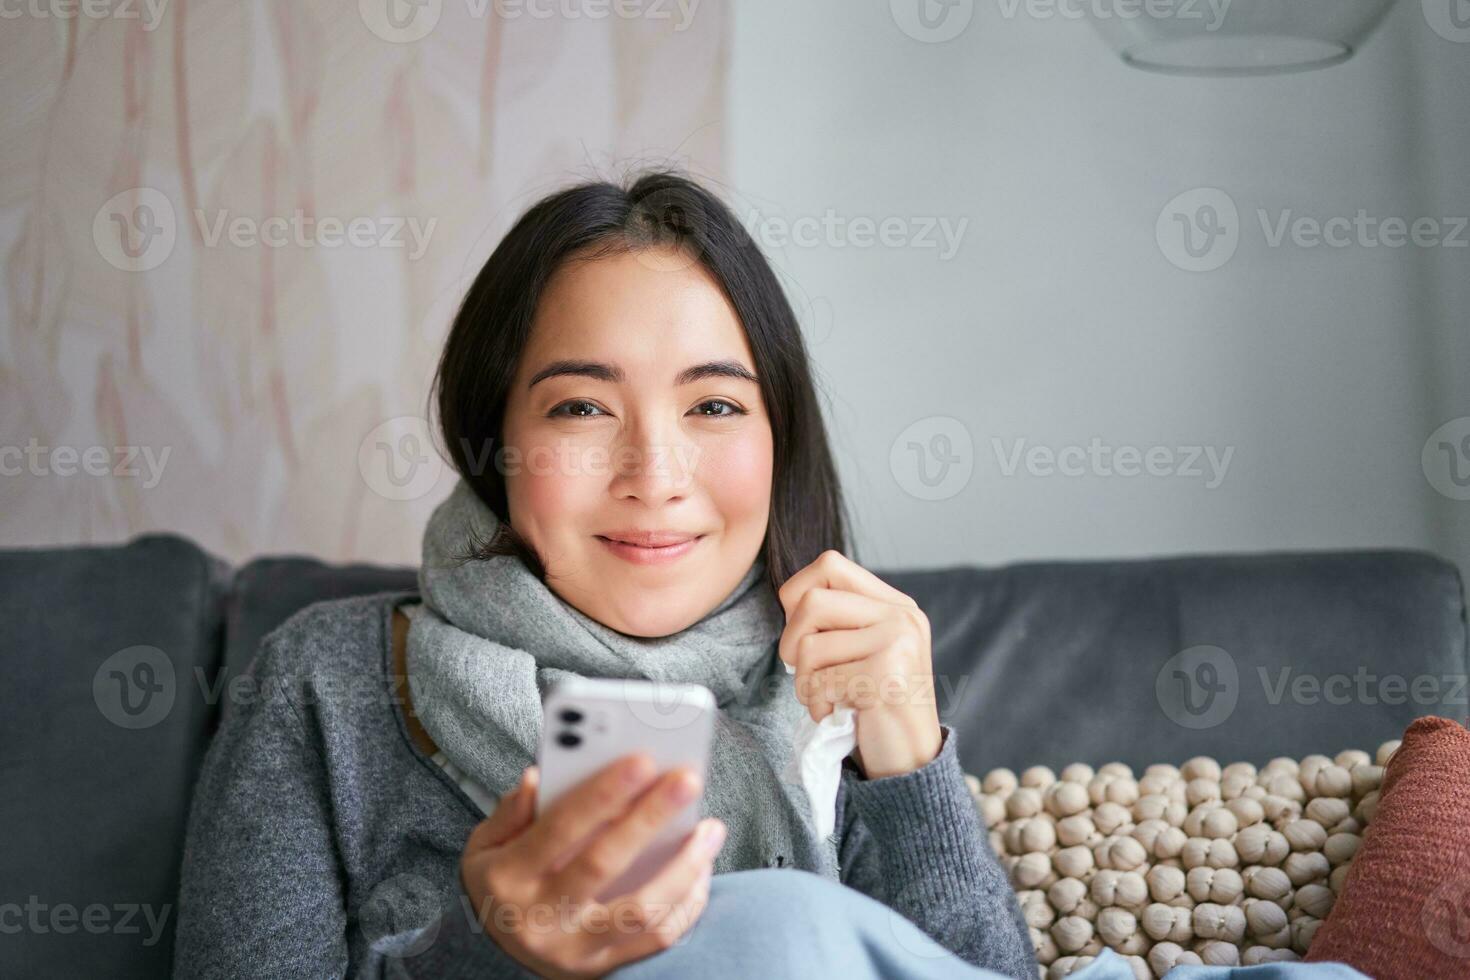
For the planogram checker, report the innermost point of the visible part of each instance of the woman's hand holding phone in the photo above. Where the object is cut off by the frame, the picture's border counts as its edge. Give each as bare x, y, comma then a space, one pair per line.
533, 880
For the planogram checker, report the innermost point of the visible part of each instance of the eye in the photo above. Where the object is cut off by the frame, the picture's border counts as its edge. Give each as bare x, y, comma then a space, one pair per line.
557, 411
733, 409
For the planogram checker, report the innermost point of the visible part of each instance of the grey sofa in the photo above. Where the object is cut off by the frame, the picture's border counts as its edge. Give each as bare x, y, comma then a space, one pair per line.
1240, 657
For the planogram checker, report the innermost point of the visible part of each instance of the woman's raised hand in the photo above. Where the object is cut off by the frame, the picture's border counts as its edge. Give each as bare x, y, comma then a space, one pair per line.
533, 880
857, 641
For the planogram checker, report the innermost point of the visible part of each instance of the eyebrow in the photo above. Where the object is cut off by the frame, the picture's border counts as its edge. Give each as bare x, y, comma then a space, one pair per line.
611, 372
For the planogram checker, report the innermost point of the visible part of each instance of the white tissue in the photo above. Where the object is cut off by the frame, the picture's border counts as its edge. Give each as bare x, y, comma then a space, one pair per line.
817, 752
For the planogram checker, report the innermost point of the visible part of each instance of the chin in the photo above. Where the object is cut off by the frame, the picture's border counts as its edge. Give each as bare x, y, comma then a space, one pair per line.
648, 616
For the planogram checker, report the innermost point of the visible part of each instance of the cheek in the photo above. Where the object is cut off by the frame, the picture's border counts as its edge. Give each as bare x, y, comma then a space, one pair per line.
546, 496
737, 475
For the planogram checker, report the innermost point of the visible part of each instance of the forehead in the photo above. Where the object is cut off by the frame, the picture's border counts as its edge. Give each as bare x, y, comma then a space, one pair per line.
637, 311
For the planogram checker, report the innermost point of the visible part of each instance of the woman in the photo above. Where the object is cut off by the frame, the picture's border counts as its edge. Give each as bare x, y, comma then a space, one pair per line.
646, 490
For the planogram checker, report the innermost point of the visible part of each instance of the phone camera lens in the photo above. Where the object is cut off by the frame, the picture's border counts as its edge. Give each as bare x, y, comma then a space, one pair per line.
571, 715
569, 739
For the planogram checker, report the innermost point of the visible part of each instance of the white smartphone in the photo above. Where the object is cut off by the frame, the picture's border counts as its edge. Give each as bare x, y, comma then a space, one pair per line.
589, 722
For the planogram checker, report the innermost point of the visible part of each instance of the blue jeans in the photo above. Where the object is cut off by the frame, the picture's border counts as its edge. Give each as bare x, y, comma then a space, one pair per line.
777, 923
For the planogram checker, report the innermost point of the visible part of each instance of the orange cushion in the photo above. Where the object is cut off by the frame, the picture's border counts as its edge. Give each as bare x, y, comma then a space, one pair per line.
1404, 911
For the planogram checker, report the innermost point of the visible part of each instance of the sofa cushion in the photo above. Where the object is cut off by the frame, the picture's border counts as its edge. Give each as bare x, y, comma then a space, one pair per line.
102, 729
1403, 907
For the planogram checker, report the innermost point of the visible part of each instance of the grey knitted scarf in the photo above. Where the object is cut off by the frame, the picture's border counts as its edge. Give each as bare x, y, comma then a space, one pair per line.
491, 638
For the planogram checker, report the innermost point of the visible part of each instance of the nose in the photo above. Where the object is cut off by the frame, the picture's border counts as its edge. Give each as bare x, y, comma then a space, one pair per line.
653, 463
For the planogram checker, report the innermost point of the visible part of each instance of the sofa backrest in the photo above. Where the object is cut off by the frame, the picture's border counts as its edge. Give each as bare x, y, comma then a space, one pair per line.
1240, 657
1243, 657
101, 734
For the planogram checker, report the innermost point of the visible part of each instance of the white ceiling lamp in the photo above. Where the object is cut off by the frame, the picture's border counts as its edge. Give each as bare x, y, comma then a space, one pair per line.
1236, 37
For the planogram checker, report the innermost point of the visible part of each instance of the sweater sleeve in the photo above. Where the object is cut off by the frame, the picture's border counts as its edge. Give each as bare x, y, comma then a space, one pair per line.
915, 843
262, 892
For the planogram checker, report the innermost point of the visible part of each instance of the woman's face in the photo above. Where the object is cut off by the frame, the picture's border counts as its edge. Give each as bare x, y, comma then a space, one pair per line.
606, 437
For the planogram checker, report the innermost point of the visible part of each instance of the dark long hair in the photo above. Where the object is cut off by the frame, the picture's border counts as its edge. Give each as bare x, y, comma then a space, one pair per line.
659, 208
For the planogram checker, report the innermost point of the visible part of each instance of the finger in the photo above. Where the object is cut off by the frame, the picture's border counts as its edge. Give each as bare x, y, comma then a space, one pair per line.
512, 814
827, 648
669, 926
828, 609
853, 684
680, 872
583, 808
865, 684
615, 847
834, 570
819, 651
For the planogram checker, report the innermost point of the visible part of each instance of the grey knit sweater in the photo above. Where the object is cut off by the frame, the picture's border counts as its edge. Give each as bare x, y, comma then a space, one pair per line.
323, 842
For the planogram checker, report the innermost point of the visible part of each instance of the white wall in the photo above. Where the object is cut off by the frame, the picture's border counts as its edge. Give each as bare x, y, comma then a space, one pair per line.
1059, 318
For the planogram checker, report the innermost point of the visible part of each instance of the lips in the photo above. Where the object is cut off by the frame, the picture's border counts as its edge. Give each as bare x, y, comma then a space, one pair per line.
671, 546
650, 539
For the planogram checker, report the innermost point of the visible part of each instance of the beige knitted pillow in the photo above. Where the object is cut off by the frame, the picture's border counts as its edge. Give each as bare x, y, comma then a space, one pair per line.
1194, 864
